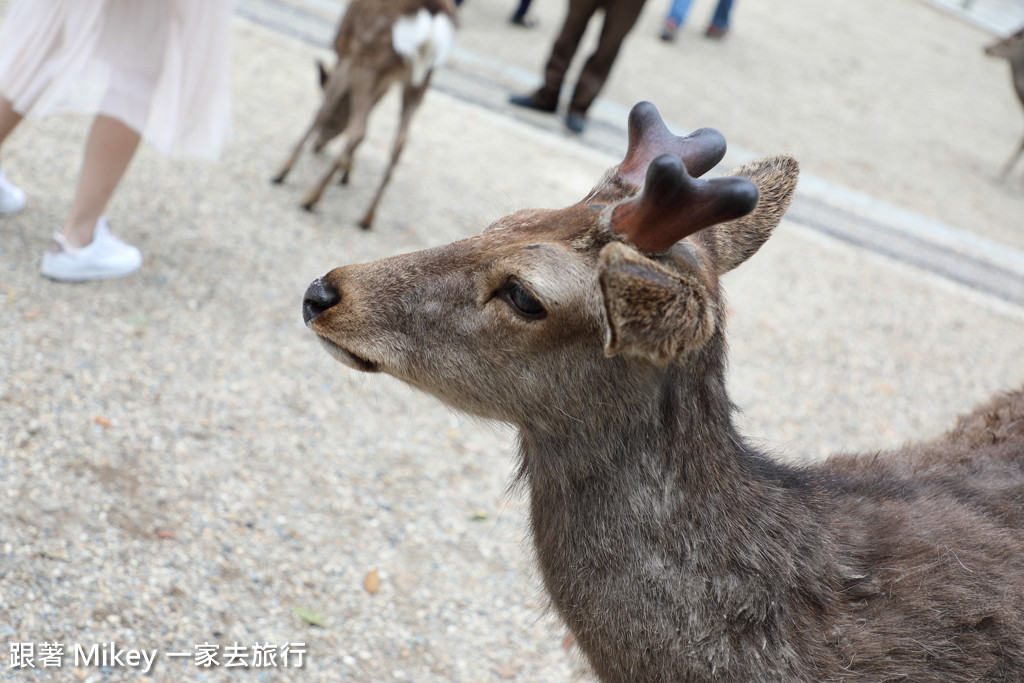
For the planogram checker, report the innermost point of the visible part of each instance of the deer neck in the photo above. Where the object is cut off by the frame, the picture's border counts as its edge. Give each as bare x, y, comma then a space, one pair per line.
674, 431
659, 530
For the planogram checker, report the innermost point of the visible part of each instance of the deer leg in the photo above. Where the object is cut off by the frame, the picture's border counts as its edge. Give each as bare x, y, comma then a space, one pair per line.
412, 97
313, 196
296, 153
1013, 160
335, 96
378, 92
334, 125
361, 96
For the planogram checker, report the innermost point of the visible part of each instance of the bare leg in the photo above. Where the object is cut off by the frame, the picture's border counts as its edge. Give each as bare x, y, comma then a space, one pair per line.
108, 151
9, 119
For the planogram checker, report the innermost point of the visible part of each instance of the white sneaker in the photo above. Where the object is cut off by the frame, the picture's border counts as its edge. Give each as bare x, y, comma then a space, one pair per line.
104, 257
12, 198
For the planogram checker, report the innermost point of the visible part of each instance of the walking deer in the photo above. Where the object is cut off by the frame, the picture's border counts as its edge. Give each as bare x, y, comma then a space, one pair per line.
672, 548
379, 43
1012, 49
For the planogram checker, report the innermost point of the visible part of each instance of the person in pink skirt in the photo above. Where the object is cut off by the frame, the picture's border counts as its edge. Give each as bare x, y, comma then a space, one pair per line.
154, 70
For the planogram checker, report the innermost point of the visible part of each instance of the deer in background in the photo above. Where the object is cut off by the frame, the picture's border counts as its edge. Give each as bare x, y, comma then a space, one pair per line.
1012, 49
673, 548
379, 43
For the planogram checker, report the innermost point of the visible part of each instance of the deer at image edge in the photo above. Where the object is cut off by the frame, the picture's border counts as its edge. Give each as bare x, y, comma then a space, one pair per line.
1011, 49
379, 43
672, 548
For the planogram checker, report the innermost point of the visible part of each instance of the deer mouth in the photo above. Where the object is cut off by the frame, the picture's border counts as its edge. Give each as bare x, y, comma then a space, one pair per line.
348, 358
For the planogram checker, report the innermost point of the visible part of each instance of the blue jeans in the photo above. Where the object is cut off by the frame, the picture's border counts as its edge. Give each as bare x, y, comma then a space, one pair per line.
680, 8
524, 7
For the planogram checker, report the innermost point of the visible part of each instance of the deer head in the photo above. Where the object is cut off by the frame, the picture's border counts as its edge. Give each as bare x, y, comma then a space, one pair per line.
550, 315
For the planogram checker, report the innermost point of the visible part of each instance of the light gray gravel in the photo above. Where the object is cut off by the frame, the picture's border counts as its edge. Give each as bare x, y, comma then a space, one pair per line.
180, 463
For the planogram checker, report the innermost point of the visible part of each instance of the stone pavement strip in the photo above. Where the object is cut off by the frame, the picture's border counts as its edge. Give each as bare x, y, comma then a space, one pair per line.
1000, 17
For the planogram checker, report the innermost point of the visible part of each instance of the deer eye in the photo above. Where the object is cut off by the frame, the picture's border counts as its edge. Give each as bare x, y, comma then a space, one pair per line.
523, 303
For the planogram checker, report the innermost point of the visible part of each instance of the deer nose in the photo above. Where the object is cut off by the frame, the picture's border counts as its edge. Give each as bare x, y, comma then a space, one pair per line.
319, 297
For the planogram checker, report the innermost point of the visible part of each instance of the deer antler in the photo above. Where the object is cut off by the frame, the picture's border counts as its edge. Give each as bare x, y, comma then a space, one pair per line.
673, 205
649, 137
661, 167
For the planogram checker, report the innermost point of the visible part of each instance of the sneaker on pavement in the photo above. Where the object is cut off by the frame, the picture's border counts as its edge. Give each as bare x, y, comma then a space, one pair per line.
531, 102
104, 257
575, 122
12, 198
669, 31
716, 31
524, 21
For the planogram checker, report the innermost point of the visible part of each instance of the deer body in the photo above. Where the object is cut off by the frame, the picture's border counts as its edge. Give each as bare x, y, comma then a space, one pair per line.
671, 548
709, 561
379, 43
697, 596
1012, 50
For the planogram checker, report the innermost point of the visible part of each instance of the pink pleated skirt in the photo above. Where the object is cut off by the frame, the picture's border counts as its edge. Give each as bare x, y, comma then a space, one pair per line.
160, 66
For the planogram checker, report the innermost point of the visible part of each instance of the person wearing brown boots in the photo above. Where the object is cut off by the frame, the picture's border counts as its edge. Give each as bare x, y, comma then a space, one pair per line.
619, 18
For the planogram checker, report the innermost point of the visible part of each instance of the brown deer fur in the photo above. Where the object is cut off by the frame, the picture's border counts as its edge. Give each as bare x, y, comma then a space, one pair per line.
672, 548
370, 60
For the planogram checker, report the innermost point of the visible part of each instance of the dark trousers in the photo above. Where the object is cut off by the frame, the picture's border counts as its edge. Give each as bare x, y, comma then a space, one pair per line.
619, 17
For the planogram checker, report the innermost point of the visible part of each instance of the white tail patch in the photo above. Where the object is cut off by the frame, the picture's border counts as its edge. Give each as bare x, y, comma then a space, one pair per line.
425, 40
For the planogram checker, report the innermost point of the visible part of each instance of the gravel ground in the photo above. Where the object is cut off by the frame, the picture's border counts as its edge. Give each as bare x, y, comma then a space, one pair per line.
181, 464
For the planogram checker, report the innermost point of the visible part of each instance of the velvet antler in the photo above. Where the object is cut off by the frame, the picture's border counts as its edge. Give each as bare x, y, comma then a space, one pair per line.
673, 205
649, 137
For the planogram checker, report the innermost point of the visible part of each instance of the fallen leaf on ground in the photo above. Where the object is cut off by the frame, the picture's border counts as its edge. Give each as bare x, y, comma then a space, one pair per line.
310, 616
507, 671
372, 582
53, 555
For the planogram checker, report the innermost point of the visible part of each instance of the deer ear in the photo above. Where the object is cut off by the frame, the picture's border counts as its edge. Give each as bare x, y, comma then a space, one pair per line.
650, 311
736, 241
324, 74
